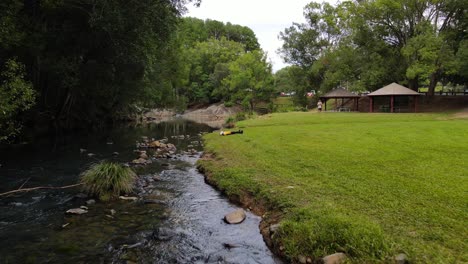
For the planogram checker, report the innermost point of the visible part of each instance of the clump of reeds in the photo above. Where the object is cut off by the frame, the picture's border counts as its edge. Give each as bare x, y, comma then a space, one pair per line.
107, 180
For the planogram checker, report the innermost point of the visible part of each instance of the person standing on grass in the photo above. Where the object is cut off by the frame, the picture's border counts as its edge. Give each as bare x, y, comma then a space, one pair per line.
319, 105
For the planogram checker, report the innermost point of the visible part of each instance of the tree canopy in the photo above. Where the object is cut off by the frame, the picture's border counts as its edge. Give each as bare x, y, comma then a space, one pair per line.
363, 45
86, 63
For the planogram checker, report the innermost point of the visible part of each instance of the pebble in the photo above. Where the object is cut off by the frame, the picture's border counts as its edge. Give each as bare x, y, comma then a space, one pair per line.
81, 196
302, 259
336, 258
401, 259
128, 198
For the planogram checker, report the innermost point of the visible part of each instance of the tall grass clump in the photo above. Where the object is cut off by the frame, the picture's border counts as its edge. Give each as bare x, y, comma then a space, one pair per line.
107, 180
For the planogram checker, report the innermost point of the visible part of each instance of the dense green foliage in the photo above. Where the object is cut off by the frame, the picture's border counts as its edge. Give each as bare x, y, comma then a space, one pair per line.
215, 56
87, 61
16, 96
107, 180
84, 64
365, 45
369, 185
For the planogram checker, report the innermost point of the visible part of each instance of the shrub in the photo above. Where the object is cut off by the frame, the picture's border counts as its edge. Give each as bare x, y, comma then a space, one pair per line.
107, 180
229, 122
240, 116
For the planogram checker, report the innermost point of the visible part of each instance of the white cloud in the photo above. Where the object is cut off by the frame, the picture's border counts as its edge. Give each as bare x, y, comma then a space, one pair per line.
267, 18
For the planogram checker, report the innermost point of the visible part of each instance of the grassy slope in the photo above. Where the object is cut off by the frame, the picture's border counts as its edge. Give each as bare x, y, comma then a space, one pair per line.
372, 185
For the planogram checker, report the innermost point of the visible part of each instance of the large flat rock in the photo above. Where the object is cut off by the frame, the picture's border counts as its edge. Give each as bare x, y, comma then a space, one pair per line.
235, 217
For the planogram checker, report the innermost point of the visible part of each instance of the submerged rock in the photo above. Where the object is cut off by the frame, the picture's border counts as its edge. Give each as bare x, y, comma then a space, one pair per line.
140, 161
77, 211
153, 201
81, 196
229, 246
128, 198
235, 217
163, 234
90, 202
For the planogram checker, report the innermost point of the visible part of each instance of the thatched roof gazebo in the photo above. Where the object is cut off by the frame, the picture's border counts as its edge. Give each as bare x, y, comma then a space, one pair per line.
393, 91
345, 96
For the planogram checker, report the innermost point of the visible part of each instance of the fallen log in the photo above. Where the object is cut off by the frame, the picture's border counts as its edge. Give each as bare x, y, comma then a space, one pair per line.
38, 188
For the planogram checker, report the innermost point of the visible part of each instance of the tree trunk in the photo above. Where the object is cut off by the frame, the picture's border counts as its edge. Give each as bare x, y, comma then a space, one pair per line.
432, 84
413, 84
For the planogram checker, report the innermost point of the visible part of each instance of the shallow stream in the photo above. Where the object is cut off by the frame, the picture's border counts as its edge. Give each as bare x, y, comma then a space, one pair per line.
181, 223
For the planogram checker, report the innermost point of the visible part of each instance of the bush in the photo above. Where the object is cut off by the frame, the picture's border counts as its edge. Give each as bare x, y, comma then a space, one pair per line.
107, 180
230, 122
240, 116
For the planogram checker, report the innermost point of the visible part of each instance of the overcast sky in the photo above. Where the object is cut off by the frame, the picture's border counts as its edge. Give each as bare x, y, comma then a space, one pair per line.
267, 18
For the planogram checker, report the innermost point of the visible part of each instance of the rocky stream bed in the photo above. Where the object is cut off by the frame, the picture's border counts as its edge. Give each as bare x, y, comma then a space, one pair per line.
173, 216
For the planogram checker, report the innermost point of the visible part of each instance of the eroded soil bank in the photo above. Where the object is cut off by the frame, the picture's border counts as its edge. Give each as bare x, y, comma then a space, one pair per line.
214, 115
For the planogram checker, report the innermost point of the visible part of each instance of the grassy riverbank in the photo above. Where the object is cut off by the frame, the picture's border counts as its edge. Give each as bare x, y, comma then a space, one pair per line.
370, 185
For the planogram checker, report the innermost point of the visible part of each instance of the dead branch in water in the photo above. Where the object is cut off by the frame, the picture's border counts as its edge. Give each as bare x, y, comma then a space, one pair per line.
38, 188
24, 183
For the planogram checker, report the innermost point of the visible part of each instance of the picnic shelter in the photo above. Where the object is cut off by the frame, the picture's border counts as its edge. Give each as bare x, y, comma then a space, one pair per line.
393, 98
348, 102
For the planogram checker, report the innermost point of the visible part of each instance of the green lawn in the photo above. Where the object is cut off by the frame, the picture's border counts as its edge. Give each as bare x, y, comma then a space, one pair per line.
370, 185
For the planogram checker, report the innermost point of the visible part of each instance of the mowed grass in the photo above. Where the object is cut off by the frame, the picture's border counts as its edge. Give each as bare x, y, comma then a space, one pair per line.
370, 185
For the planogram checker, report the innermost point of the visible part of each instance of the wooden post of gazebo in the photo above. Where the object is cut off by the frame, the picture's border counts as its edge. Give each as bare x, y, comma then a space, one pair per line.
415, 104
392, 101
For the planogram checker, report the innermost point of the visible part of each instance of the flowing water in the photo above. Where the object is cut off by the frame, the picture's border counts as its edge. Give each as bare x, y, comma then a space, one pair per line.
179, 220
